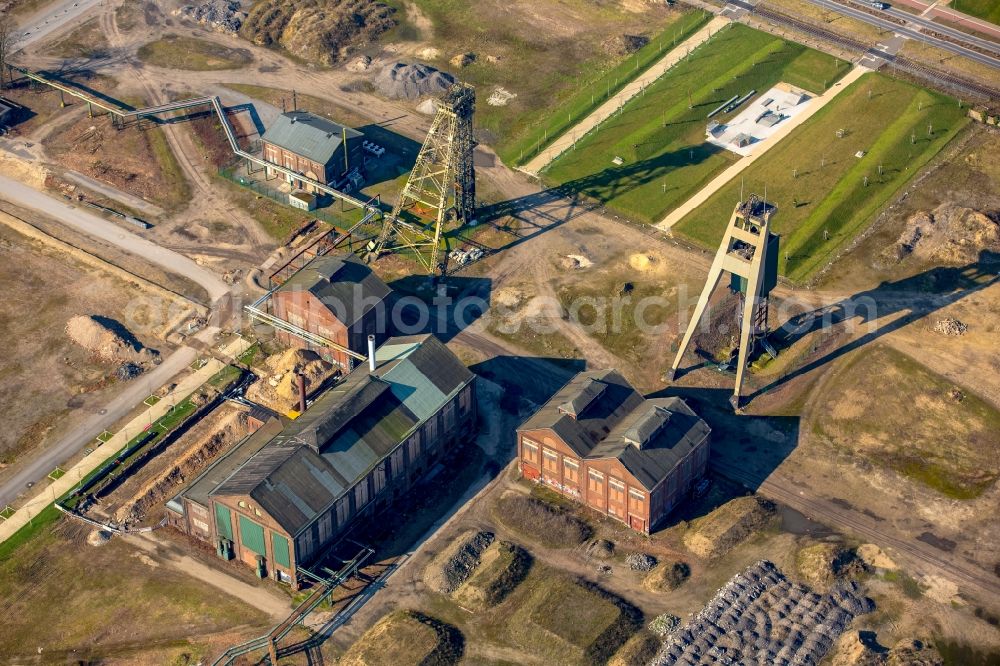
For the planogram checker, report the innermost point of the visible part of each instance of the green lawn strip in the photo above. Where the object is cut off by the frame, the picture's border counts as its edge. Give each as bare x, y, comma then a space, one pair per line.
249, 356
988, 10
817, 182
50, 514
662, 140
7, 512
176, 191
589, 95
151, 400
57, 474
105, 436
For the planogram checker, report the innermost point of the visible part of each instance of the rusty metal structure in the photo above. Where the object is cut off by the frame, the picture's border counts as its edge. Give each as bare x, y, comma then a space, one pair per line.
441, 188
749, 253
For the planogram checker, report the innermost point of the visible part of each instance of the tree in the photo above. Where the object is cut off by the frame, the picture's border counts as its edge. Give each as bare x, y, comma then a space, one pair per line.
7, 38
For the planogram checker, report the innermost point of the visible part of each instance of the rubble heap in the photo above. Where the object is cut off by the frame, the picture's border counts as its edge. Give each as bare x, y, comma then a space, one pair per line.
221, 15
949, 326
761, 617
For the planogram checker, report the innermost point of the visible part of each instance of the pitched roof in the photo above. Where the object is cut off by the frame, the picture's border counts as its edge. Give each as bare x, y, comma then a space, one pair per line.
648, 436
345, 285
308, 135
317, 458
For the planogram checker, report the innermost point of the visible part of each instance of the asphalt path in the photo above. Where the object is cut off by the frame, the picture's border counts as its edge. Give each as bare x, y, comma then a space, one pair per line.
51, 18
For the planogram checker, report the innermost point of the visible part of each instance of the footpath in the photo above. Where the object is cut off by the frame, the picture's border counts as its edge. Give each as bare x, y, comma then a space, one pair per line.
717, 183
184, 388
606, 110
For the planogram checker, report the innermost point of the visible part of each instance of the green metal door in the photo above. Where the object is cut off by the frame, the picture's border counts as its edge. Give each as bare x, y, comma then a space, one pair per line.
223, 522
252, 536
279, 546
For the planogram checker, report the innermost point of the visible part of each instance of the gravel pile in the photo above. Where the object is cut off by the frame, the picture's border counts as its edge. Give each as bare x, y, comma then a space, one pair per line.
761, 617
664, 625
640, 561
401, 81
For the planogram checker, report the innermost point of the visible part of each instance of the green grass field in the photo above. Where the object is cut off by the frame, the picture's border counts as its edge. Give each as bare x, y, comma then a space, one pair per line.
988, 10
662, 140
591, 94
817, 181
175, 52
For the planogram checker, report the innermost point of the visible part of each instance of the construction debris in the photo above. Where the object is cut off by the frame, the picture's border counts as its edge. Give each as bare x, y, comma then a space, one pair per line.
664, 625
640, 561
278, 389
461, 563
760, 617
401, 81
500, 97
221, 15
949, 326
949, 234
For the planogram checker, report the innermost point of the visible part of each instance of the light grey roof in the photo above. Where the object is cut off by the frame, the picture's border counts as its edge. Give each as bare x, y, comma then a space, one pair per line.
342, 283
589, 390
618, 419
308, 135
317, 458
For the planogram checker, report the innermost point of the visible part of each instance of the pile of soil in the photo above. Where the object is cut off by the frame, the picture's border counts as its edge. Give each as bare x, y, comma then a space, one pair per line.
602, 549
823, 564
109, 341
949, 234
732, 523
401, 81
502, 567
667, 577
622, 45
950, 326
278, 389
319, 31
874, 556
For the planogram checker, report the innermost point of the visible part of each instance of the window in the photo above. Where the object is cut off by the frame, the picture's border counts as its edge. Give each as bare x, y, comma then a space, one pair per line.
636, 501
550, 460
595, 482
430, 431
396, 464
324, 528
378, 477
343, 510
465, 400
449, 417
530, 450
413, 447
361, 494
616, 490
571, 470
242, 504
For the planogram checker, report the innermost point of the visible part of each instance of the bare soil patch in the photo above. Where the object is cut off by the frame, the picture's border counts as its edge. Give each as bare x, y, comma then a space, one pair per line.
406, 638
278, 389
49, 381
136, 160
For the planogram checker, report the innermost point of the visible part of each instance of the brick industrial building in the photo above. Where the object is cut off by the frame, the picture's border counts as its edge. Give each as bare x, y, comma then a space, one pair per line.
280, 497
337, 298
599, 442
315, 147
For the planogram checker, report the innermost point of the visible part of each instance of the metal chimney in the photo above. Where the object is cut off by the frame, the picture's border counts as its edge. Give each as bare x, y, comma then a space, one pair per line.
371, 353
302, 393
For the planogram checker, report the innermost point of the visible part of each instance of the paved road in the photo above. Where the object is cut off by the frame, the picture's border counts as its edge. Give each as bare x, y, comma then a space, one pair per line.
41, 464
911, 32
50, 18
72, 215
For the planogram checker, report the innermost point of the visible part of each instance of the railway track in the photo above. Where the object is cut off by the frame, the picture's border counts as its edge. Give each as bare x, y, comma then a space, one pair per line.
950, 82
946, 566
